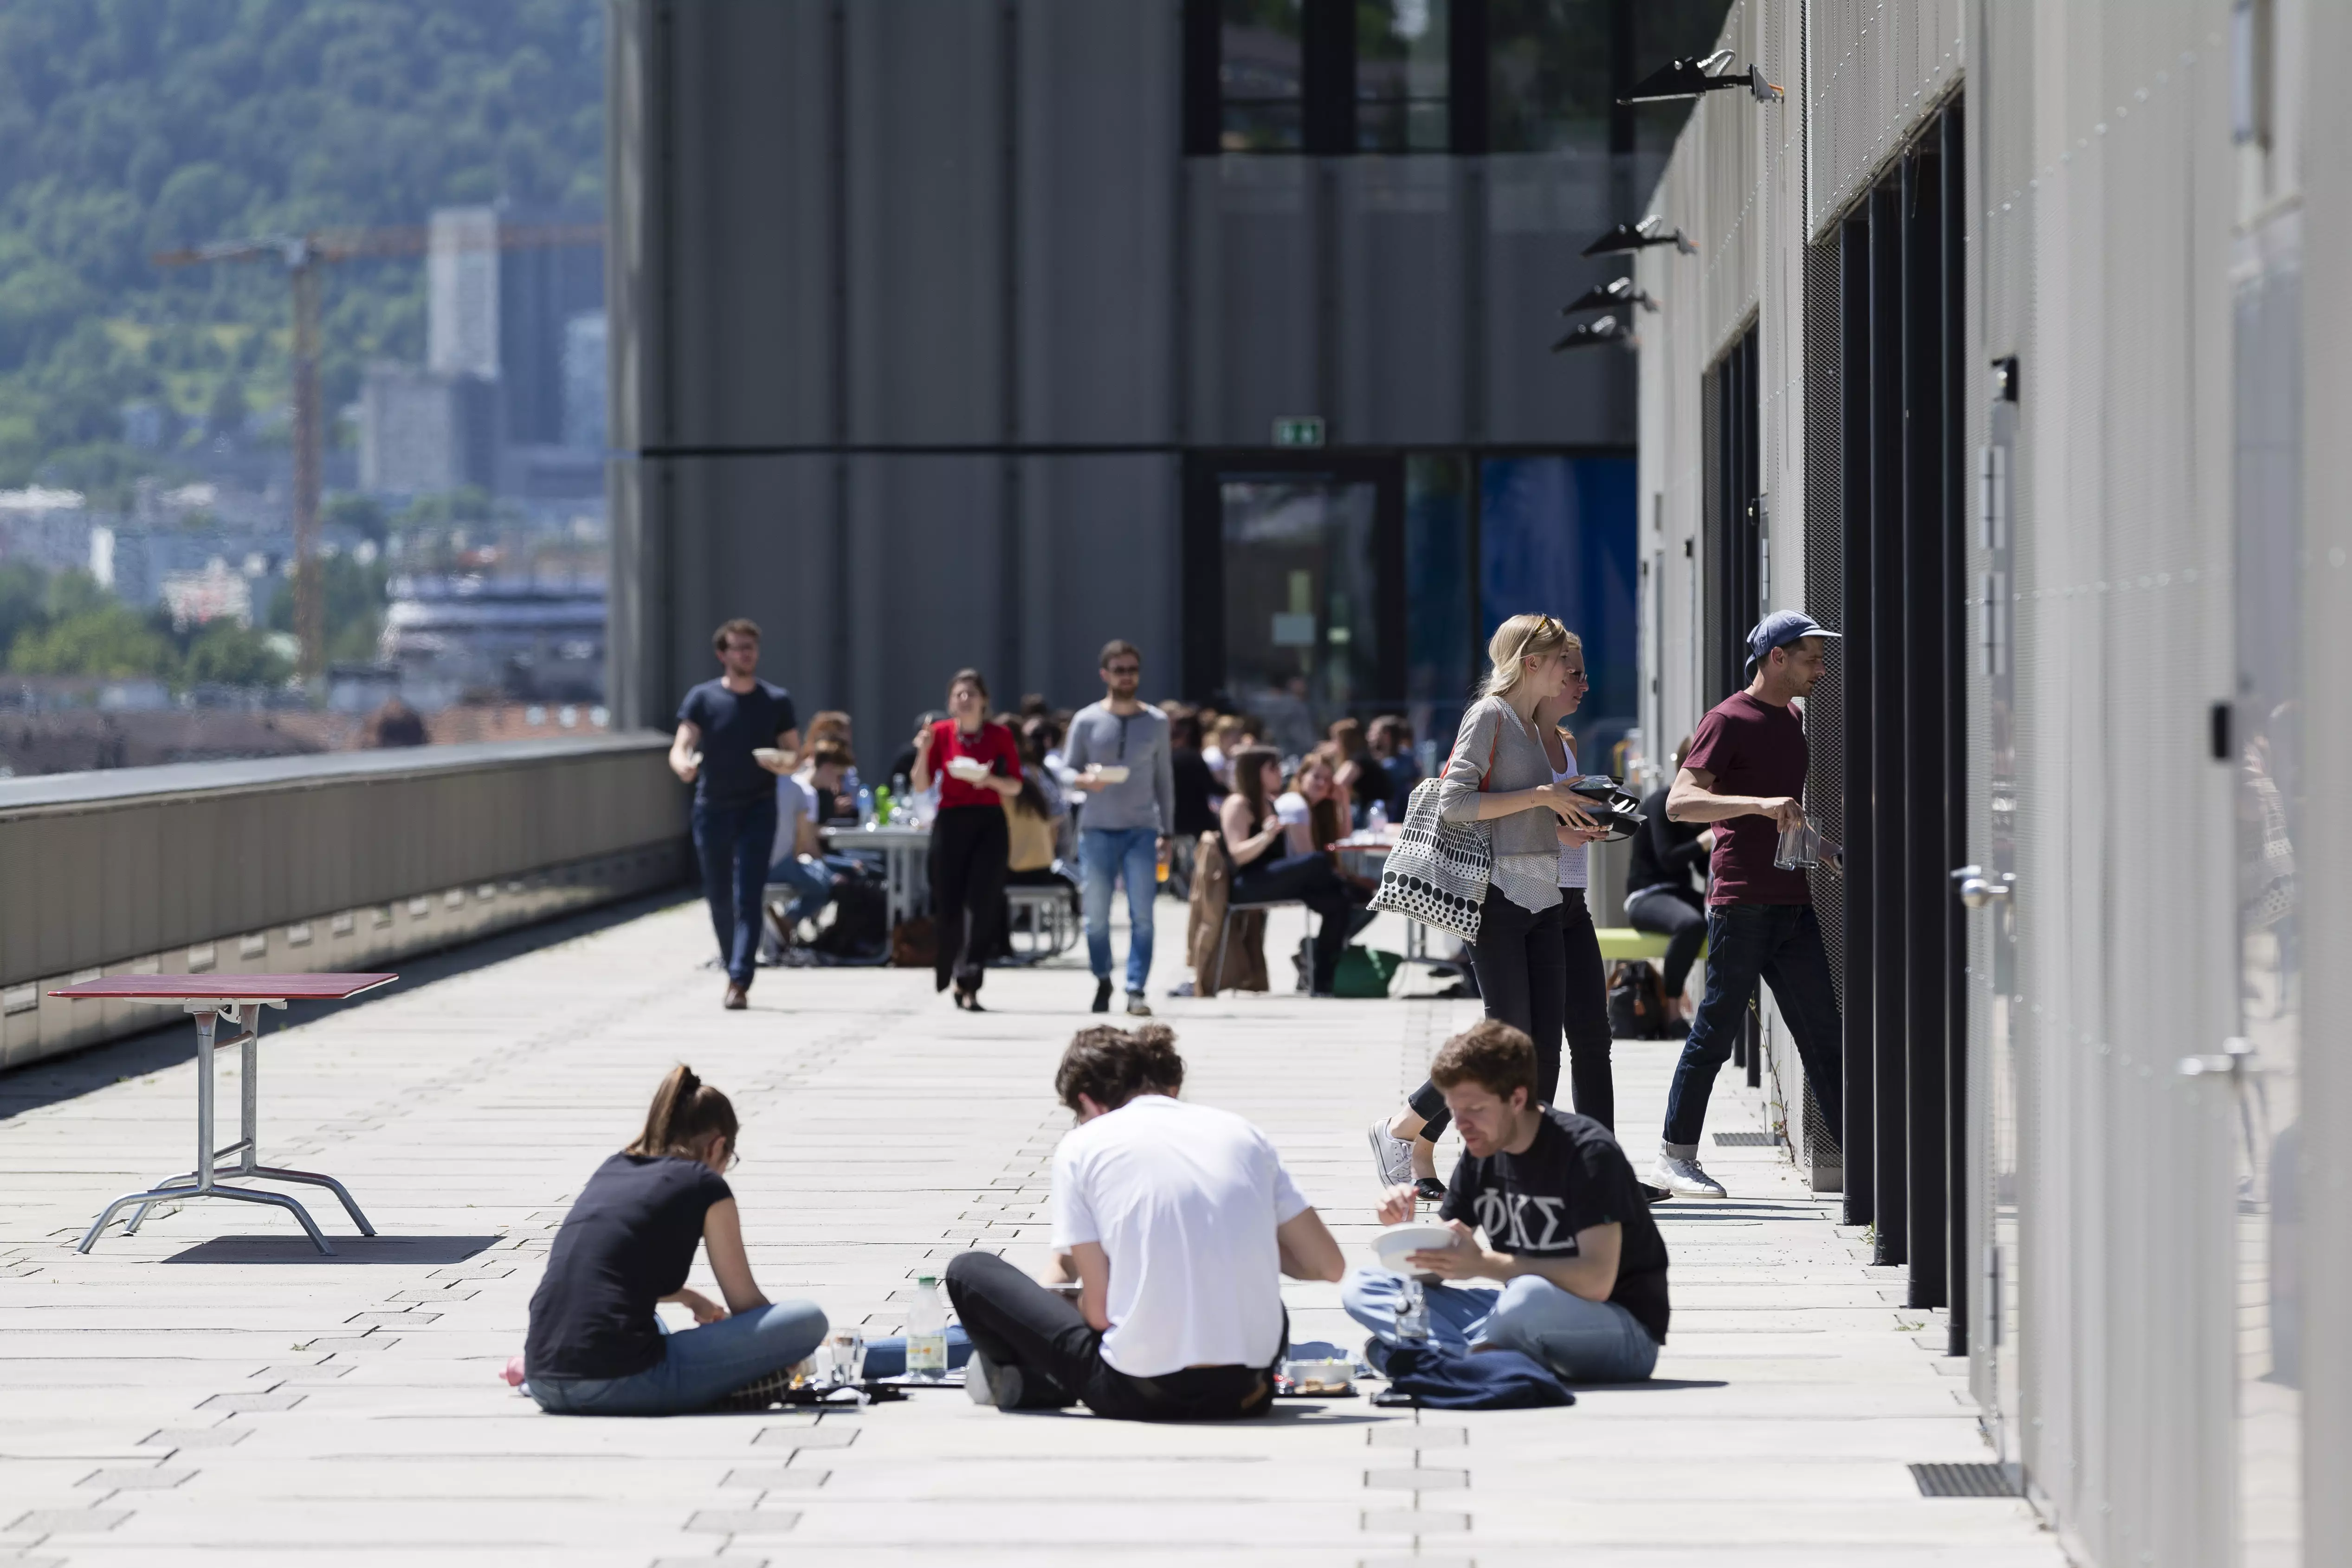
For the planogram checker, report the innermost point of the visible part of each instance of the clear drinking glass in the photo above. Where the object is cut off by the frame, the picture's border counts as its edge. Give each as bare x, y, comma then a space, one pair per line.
1413, 1314
846, 1348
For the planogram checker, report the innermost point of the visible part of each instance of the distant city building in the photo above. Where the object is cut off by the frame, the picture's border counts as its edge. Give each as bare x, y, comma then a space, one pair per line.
461, 637
213, 594
584, 381
542, 290
43, 528
512, 387
461, 276
423, 432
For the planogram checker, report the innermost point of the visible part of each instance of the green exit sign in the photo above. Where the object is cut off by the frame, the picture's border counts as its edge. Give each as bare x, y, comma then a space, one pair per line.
1301, 429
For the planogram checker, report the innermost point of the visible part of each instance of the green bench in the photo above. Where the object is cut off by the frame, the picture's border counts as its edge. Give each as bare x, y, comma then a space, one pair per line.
1623, 942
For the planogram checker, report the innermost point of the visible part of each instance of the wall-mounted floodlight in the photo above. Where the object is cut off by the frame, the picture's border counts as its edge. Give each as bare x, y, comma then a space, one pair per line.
1638, 236
1592, 334
1616, 291
1693, 79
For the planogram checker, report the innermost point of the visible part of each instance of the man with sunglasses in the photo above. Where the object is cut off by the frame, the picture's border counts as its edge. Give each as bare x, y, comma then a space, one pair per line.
1118, 748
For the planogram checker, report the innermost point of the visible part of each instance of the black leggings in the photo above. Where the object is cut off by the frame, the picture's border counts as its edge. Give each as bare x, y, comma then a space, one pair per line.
968, 846
1310, 879
1522, 964
1675, 913
1015, 1322
1584, 1012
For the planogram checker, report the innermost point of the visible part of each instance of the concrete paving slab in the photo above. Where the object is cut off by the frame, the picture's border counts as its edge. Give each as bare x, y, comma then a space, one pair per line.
220, 1392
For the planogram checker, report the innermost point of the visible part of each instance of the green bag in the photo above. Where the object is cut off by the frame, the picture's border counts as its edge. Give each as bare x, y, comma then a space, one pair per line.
1365, 972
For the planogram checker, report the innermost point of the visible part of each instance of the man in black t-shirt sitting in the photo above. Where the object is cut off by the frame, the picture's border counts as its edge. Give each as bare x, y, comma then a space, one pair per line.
1558, 1219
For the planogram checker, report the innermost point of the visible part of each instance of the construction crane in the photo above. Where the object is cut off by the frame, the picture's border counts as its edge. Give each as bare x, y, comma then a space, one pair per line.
304, 256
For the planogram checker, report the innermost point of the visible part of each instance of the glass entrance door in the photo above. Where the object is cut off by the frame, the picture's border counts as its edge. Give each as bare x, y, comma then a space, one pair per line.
1309, 593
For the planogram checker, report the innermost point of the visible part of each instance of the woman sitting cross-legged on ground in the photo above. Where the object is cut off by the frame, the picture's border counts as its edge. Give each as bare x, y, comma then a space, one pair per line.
596, 1347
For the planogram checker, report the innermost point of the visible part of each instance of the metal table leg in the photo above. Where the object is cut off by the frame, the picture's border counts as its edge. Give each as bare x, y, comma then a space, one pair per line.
202, 1182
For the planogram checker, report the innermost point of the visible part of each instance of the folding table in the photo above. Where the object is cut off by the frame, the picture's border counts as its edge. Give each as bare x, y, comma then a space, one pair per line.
240, 999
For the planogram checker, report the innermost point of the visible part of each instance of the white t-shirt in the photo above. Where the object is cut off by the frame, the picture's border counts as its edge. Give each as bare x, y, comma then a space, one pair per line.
795, 799
1572, 857
1184, 1200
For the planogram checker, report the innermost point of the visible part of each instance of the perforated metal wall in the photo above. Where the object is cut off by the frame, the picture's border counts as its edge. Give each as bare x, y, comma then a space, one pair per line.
2104, 195
1874, 69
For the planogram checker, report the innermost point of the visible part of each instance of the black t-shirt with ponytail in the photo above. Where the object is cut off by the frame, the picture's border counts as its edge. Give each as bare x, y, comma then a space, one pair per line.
627, 1242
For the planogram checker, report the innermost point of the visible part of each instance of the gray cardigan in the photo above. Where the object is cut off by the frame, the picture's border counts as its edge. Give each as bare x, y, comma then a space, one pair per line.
1526, 843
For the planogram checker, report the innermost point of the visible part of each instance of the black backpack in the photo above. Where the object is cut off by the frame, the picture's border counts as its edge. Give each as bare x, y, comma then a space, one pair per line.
861, 916
1637, 1001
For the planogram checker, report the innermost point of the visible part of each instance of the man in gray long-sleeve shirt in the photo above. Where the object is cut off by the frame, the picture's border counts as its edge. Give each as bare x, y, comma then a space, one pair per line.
1119, 747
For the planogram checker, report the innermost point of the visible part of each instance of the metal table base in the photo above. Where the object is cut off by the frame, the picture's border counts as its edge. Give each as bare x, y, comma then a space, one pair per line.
205, 1181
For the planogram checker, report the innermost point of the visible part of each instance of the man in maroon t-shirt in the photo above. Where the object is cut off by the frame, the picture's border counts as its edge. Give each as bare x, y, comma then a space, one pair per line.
1746, 774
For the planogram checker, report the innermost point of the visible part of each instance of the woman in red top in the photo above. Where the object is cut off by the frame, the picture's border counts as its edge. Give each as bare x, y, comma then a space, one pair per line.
969, 842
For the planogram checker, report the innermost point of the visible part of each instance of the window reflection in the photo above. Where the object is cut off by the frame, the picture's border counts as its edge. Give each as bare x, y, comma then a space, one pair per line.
1400, 75
1261, 77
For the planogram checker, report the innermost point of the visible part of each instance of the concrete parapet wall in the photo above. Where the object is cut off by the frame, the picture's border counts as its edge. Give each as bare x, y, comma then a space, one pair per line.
306, 864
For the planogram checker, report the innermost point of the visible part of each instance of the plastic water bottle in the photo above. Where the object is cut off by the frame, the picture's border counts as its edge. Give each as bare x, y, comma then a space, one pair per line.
1376, 821
865, 806
927, 1330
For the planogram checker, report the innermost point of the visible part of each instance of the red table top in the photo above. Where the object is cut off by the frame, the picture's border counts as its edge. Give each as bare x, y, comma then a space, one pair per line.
225, 987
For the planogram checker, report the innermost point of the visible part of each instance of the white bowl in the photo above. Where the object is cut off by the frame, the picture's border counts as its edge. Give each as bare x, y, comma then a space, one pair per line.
1398, 1242
1112, 772
972, 770
767, 756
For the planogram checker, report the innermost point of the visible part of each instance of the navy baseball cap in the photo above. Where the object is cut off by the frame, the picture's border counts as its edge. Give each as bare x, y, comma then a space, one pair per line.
1779, 630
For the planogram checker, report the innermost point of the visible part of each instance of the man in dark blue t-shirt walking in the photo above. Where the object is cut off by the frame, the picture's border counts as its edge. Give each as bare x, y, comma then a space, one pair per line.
734, 734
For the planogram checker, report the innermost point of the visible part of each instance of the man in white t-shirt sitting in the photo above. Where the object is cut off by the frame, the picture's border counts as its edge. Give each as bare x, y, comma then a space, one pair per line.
1176, 1222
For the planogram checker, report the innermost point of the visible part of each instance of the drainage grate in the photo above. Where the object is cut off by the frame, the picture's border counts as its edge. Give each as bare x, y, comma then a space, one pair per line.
1745, 1141
1965, 1481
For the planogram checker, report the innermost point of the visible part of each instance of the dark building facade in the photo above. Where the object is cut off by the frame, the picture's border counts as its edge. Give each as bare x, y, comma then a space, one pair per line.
952, 333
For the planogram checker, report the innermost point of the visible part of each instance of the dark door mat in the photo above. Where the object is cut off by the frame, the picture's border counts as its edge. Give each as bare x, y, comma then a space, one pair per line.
1967, 1480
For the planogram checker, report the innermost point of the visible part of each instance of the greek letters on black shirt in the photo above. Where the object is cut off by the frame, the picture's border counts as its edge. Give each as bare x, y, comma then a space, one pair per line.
1571, 1178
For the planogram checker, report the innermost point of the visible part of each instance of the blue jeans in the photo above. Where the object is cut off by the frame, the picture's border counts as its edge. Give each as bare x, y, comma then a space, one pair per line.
1103, 853
698, 1368
1589, 1342
1780, 943
811, 881
733, 843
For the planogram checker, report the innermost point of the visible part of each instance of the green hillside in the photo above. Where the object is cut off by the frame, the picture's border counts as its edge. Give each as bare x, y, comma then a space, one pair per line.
130, 126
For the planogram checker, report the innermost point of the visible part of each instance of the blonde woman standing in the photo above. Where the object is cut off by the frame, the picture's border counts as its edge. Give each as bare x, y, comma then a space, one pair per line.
1501, 772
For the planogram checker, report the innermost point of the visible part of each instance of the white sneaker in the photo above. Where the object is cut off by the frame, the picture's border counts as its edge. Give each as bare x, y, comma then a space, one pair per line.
985, 1383
1391, 1155
1676, 1175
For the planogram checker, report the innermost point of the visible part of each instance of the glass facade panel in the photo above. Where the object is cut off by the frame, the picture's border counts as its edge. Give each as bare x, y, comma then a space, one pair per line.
1302, 637
1551, 82
1557, 535
1261, 77
1441, 652
1547, 81
1401, 75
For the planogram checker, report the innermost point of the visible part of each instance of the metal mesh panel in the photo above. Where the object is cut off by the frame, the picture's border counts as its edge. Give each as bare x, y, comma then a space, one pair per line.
1824, 522
1873, 69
